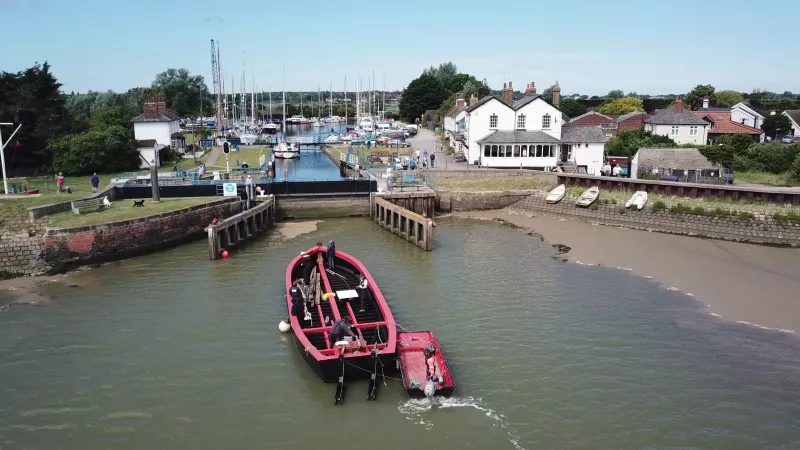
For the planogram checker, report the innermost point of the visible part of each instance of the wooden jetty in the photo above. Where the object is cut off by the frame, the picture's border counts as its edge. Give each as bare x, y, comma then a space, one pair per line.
236, 230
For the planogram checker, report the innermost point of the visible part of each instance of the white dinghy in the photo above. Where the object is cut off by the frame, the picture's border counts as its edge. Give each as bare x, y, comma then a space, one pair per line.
556, 194
638, 199
588, 197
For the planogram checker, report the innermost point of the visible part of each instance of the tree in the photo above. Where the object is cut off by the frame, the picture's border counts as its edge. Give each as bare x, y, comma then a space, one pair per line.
695, 97
422, 94
448, 76
547, 94
185, 94
628, 143
729, 98
739, 143
795, 169
572, 108
776, 125
98, 150
616, 93
33, 99
448, 104
479, 88
621, 106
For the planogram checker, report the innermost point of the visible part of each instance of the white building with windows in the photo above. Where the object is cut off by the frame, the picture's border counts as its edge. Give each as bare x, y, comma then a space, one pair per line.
679, 124
529, 133
156, 123
747, 114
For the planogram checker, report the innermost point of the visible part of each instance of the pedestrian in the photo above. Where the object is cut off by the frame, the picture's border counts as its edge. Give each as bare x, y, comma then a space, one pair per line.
95, 182
244, 198
60, 182
363, 291
331, 254
425, 154
418, 155
433, 158
412, 164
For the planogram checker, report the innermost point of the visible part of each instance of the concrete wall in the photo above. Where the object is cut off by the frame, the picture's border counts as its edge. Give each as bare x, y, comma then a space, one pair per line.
69, 247
449, 201
55, 208
549, 177
326, 208
761, 230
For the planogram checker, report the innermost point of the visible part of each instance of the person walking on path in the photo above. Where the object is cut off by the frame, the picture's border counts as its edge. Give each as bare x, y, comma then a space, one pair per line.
60, 182
95, 182
418, 153
433, 158
331, 254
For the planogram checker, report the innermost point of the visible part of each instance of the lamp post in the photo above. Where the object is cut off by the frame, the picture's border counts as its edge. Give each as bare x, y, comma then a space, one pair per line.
2, 152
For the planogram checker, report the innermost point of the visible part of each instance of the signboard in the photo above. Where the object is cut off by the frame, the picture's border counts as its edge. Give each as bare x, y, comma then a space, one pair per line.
229, 189
206, 142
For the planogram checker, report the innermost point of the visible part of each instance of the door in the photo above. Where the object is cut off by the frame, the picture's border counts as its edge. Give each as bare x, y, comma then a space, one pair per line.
566, 152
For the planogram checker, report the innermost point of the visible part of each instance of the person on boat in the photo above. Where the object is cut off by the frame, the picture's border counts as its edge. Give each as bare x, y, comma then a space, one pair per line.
340, 329
308, 266
331, 254
431, 368
298, 308
363, 291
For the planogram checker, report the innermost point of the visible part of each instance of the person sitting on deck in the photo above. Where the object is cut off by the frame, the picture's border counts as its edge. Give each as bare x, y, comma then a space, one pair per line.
331, 254
340, 329
363, 291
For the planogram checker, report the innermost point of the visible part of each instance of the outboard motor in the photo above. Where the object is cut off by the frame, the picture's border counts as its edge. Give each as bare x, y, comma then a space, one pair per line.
430, 387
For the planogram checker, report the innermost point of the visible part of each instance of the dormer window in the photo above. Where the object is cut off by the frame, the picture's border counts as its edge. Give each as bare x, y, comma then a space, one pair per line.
493, 121
521, 122
546, 121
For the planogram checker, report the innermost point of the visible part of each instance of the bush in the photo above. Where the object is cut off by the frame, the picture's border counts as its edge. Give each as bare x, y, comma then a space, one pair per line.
721, 213
680, 208
788, 216
745, 215
108, 150
795, 170
658, 205
768, 157
699, 211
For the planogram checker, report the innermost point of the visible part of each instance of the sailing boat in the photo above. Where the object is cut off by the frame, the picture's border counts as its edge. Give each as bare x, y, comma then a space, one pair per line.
269, 127
283, 149
317, 121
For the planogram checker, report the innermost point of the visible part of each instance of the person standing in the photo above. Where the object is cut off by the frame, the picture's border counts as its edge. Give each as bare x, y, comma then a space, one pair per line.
60, 182
95, 182
363, 292
244, 198
331, 254
433, 158
418, 154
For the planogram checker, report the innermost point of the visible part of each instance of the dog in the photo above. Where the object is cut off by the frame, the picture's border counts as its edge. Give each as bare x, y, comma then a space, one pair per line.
138, 203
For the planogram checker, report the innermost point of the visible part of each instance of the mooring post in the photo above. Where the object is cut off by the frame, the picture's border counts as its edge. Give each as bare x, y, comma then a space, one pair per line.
213, 243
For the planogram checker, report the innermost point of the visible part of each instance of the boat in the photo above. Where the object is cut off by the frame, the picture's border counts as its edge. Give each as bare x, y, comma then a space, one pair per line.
638, 199
286, 150
269, 128
332, 139
297, 119
375, 326
556, 194
318, 124
588, 197
410, 353
248, 138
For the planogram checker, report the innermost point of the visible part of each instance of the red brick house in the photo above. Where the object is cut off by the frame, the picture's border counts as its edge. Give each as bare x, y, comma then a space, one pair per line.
612, 124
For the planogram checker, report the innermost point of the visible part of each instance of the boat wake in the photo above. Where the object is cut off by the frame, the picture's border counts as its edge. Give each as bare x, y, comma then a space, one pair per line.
416, 409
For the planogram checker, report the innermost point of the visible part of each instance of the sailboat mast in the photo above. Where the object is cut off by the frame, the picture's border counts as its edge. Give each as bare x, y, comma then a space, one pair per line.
253, 99
384, 95
284, 98
330, 112
345, 102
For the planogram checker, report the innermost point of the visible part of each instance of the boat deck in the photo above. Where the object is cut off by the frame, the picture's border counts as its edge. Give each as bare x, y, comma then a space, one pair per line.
412, 360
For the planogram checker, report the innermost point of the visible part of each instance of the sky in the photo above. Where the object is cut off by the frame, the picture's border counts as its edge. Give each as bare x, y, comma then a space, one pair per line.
588, 46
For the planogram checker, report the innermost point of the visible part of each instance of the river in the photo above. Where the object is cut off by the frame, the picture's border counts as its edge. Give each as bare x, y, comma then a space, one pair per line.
173, 351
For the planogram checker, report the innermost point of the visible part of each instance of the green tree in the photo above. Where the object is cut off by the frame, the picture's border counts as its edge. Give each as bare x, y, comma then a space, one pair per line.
770, 157
621, 106
32, 99
185, 94
728, 98
776, 125
547, 94
795, 169
97, 150
422, 94
628, 143
448, 76
479, 88
695, 97
448, 104
616, 93
739, 143
572, 108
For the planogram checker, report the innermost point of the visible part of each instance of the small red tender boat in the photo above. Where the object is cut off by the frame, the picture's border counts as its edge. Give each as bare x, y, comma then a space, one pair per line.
375, 349
410, 349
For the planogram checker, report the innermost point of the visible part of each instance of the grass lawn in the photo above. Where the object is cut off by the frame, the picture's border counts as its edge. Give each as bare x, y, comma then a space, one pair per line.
490, 183
121, 210
248, 153
766, 179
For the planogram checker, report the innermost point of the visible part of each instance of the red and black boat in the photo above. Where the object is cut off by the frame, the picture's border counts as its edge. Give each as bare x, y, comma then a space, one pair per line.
374, 352
411, 348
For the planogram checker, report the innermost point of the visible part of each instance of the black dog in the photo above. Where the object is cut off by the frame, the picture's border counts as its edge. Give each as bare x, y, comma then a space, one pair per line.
139, 203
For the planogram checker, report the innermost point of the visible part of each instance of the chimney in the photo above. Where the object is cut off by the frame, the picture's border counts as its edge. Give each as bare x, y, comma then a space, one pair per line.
530, 91
459, 103
533, 88
678, 104
556, 95
161, 105
705, 102
473, 99
508, 94
150, 110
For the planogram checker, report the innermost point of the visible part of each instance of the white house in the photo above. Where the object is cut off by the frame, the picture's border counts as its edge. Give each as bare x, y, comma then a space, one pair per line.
794, 119
528, 133
451, 126
679, 124
150, 152
156, 123
747, 114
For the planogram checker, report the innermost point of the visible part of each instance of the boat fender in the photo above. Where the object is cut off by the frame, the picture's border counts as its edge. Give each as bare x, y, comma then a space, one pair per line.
328, 295
284, 326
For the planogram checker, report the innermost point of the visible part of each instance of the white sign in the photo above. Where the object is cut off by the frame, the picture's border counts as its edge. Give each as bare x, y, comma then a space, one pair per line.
229, 189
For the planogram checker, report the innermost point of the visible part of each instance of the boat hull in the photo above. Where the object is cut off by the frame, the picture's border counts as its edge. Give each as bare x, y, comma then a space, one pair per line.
412, 364
355, 368
287, 155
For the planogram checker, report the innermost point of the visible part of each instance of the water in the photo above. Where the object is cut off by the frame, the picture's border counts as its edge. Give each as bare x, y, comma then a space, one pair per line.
175, 351
312, 165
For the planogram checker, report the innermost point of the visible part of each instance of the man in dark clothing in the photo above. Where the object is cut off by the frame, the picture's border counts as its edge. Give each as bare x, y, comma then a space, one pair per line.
433, 158
95, 182
340, 329
243, 196
331, 254
308, 266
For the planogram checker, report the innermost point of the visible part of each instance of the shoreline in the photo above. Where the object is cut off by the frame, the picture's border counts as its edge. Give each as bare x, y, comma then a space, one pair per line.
741, 283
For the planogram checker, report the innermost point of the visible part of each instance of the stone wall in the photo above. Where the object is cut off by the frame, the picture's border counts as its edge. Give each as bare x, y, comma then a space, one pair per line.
450, 201
549, 177
65, 248
289, 208
21, 249
763, 229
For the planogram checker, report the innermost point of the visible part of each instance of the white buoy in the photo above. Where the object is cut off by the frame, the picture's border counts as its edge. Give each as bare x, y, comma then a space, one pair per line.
284, 326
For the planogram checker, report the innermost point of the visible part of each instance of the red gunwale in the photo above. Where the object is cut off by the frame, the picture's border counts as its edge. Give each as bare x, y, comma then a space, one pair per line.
388, 347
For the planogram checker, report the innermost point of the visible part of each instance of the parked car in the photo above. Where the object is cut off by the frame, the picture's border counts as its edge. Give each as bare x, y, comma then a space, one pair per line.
789, 139
400, 163
398, 143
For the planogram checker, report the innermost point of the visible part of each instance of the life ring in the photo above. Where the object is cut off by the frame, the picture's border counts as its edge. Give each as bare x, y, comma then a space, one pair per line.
326, 296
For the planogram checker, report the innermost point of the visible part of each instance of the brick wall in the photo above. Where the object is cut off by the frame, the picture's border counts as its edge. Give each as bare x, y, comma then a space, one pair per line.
62, 249
21, 250
761, 230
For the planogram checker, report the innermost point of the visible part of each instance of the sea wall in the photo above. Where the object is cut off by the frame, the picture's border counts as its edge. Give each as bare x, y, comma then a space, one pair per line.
64, 248
760, 229
549, 177
295, 208
21, 249
452, 201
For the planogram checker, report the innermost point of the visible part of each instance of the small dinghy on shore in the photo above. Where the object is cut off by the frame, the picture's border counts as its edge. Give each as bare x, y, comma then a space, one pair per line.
414, 348
638, 199
588, 197
556, 194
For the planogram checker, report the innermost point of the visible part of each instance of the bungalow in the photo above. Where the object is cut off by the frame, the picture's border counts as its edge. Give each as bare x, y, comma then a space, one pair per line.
156, 123
794, 119
682, 164
747, 114
679, 124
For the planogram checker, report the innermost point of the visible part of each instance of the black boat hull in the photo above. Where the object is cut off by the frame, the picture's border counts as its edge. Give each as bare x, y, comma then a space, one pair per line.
356, 368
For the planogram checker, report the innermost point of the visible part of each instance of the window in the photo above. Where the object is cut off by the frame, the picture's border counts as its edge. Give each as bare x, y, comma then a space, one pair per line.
524, 151
521, 122
744, 121
586, 145
674, 131
546, 121
486, 150
548, 151
693, 131
494, 151
493, 121
508, 151
538, 151
516, 151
